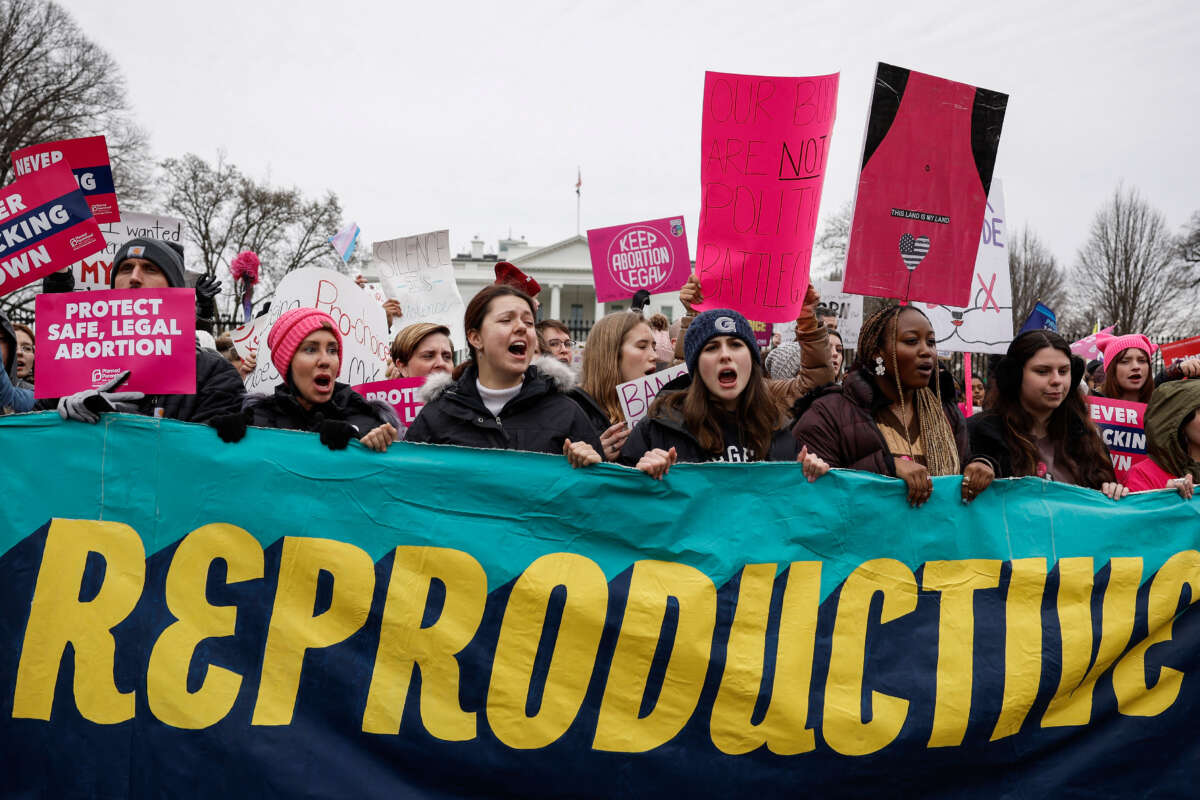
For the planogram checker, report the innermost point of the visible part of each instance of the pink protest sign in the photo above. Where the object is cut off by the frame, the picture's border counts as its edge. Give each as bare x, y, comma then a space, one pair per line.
1086, 347
400, 393
45, 225
84, 339
88, 159
651, 255
927, 167
764, 145
1122, 425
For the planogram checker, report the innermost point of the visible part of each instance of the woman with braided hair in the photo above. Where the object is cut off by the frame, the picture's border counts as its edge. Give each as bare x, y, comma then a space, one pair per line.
886, 418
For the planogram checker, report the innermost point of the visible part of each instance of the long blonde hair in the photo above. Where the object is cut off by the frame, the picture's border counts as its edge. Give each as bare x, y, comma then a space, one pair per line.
602, 360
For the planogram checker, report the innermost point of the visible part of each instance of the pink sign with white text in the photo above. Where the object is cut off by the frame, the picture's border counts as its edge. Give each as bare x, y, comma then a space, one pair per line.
1122, 425
651, 255
85, 339
88, 159
764, 146
399, 393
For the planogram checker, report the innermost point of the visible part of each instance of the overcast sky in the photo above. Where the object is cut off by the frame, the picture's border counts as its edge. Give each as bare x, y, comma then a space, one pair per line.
474, 116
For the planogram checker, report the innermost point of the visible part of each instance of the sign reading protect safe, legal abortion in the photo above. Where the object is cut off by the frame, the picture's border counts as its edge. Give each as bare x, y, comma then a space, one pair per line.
764, 147
1123, 427
88, 159
399, 393
86, 339
45, 224
651, 255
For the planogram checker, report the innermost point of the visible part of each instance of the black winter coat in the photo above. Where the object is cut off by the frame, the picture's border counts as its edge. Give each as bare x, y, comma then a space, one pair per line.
219, 390
537, 420
591, 409
666, 429
986, 431
282, 410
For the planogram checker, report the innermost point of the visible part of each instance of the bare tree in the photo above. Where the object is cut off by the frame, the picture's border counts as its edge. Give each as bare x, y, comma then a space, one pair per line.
833, 241
1129, 269
1189, 248
57, 84
1036, 276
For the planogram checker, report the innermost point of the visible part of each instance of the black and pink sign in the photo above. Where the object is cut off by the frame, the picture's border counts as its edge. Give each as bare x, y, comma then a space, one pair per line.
88, 159
651, 255
45, 225
926, 170
1122, 425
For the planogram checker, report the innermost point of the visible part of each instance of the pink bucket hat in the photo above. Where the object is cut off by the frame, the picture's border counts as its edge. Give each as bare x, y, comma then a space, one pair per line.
291, 329
1112, 346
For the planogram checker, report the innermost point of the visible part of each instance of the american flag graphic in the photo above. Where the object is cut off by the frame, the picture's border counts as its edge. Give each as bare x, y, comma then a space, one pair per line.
913, 250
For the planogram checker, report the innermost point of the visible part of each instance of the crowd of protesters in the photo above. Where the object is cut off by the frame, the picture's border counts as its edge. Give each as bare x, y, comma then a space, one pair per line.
893, 411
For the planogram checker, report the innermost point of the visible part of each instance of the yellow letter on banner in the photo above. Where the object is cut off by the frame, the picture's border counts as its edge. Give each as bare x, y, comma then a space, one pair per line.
573, 657
843, 728
618, 728
1073, 705
404, 644
171, 658
784, 727
957, 582
294, 630
1022, 643
1134, 697
58, 618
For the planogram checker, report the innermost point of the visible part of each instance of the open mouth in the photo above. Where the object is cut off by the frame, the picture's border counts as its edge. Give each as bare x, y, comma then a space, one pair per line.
518, 348
323, 382
727, 378
651, 369
925, 369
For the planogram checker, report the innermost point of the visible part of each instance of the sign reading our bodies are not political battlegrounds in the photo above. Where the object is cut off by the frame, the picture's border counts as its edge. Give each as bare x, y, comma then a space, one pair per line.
423, 622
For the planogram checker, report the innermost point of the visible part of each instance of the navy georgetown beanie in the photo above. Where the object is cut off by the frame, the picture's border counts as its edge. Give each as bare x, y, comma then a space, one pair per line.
160, 254
716, 322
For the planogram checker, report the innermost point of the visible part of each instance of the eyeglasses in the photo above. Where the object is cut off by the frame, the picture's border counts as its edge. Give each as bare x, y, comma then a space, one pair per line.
554, 344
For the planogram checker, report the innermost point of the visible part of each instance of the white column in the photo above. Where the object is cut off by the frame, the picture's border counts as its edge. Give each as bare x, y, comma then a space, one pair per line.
599, 312
556, 301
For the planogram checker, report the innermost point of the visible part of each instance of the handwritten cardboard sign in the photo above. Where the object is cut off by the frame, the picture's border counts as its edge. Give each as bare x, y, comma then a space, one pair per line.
847, 307
636, 395
417, 272
95, 271
651, 255
764, 147
985, 324
45, 225
1178, 351
926, 172
1123, 426
85, 340
247, 336
399, 393
363, 325
88, 159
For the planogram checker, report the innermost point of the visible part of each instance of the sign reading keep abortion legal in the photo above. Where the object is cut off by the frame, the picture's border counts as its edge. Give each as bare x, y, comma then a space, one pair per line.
651, 255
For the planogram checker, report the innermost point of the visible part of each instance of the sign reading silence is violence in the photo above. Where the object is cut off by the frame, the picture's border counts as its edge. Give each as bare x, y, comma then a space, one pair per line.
45, 225
85, 339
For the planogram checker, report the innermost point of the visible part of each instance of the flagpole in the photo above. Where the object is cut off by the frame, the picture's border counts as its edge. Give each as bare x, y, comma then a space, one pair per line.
578, 197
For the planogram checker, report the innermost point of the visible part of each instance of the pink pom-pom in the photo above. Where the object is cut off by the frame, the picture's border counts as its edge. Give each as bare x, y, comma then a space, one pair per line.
245, 266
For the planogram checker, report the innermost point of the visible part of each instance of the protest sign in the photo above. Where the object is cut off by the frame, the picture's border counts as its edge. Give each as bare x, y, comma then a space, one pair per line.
1041, 318
985, 324
88, 159
1086, 347
85, 340
1123, 427
1178, 351
764, 146
362, 323
636, 395
95, 271
421, 622
926, 172
651, 255
247, 336
417, 272
399, 393
762, 332
847, 307
45, 224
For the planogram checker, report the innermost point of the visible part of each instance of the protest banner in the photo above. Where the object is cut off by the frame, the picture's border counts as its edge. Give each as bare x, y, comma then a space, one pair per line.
88, 159
847, 307
86, 340
417, 271
1041, 318
1086, 347
362, 323
636, 395
985, 324
926, 173
1122, 425
651, 255
399, 393
429, 621
95, 271
764, 146
1180, 350
45, 225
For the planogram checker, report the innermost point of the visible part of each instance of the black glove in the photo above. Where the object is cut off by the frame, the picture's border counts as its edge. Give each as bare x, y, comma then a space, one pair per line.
230, 427
207, 288
336, 434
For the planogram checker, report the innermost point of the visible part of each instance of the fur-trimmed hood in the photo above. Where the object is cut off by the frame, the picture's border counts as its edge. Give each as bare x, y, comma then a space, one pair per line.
556, 373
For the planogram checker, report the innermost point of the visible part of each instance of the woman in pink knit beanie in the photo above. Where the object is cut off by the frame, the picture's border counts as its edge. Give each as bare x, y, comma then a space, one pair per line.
1127, 373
